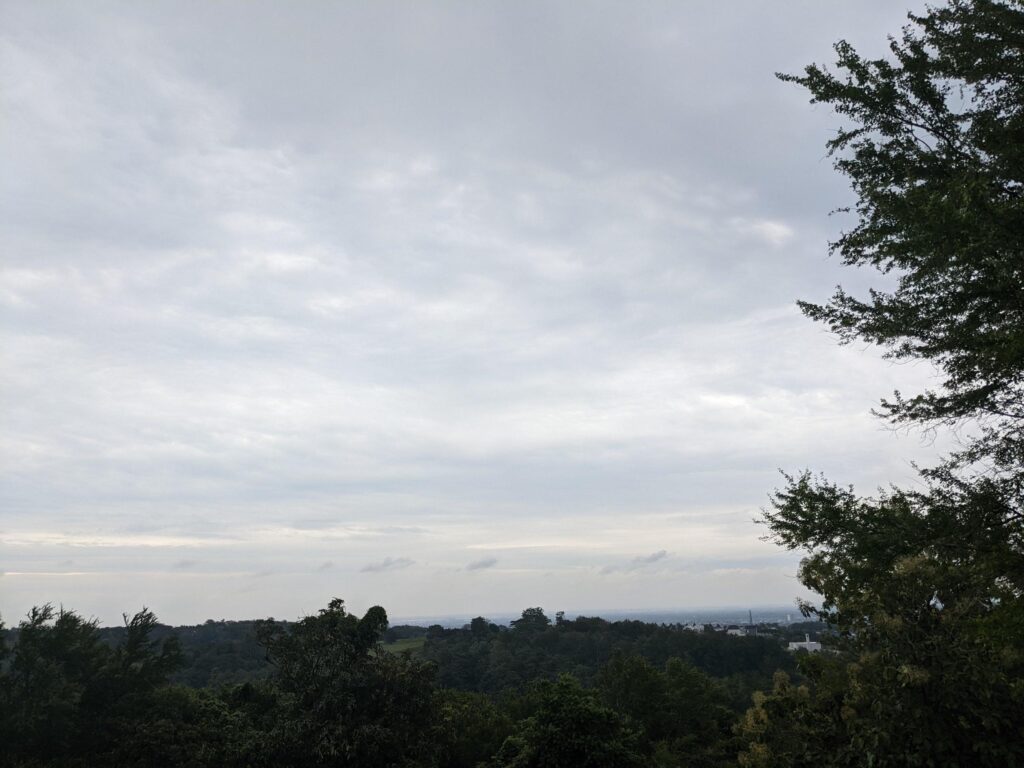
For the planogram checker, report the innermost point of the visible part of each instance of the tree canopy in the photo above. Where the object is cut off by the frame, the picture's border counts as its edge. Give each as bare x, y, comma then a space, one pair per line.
578, 692
935, 154
342, 701
926, 585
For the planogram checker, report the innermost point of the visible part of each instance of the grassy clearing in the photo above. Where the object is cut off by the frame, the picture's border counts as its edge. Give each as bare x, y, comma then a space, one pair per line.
413, 644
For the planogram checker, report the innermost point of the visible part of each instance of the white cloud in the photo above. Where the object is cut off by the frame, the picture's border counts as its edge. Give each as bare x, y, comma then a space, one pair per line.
271, 298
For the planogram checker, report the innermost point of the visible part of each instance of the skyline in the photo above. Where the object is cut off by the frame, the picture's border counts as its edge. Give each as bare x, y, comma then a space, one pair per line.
470, 308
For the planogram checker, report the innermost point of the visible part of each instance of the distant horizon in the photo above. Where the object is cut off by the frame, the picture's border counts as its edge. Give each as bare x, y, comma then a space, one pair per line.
611, 613
704, 614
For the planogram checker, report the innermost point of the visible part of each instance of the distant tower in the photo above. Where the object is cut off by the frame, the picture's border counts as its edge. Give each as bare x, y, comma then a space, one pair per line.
750, 617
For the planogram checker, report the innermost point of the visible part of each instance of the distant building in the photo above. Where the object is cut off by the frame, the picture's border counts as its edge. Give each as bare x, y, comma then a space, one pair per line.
806, 645
738, 630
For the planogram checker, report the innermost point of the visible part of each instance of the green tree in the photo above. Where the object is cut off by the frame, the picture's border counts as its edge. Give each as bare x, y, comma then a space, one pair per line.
532, 620
481, 628
473, 728
55, 661
67, 698
138, 663
925, 586
935, 154
178, 726
681, 709
344, 701
570, 728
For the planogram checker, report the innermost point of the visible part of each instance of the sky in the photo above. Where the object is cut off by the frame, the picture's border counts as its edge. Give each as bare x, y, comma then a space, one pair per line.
456, 308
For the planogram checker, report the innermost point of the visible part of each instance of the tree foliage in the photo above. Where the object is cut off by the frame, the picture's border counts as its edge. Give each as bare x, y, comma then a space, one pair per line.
571, 727
73, 696
532, 620
679, 708
935, 154
66, 698
926, 586
343, 701
495, 661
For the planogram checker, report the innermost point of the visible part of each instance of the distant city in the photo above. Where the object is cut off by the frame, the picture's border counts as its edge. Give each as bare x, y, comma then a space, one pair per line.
718, 616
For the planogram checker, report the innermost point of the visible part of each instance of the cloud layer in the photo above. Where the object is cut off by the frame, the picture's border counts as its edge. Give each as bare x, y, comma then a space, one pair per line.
505, 289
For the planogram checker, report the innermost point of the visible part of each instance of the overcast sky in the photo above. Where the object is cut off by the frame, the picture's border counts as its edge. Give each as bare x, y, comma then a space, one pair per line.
457, 308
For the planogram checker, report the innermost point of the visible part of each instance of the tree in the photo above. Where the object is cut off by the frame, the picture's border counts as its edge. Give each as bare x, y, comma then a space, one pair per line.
138, 663
925, 586
68, 699
936, 157
179, 726
343, 701
570, 727
472, 726
57, 657
532, 620
481, 628
681, 709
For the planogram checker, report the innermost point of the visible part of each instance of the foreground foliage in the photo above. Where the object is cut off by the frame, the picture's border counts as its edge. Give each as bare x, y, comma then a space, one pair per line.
73, 695
69, 699
925, 586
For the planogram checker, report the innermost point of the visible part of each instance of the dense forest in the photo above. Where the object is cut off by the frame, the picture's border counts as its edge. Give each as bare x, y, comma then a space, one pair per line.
922, 589
334, 689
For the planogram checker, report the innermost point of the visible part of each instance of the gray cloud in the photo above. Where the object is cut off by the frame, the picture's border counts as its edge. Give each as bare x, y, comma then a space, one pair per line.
374, 275
482, 564
387, 564
637, 563
654, 557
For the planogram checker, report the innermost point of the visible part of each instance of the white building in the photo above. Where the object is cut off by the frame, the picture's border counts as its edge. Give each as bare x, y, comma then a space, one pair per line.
806, 645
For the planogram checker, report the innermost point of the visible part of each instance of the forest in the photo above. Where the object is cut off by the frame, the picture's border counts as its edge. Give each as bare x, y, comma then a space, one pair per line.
337, 689
921, 589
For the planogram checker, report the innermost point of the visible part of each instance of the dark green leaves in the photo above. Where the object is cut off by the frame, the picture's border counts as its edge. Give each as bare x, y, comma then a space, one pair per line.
935, 156
925, 586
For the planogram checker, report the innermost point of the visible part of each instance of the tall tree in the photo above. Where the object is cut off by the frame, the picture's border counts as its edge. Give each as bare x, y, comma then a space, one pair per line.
344, 701
926, 586
69, 699
935, 154
532, 620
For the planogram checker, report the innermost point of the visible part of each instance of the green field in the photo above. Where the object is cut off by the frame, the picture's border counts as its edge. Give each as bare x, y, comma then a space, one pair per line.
413, 644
